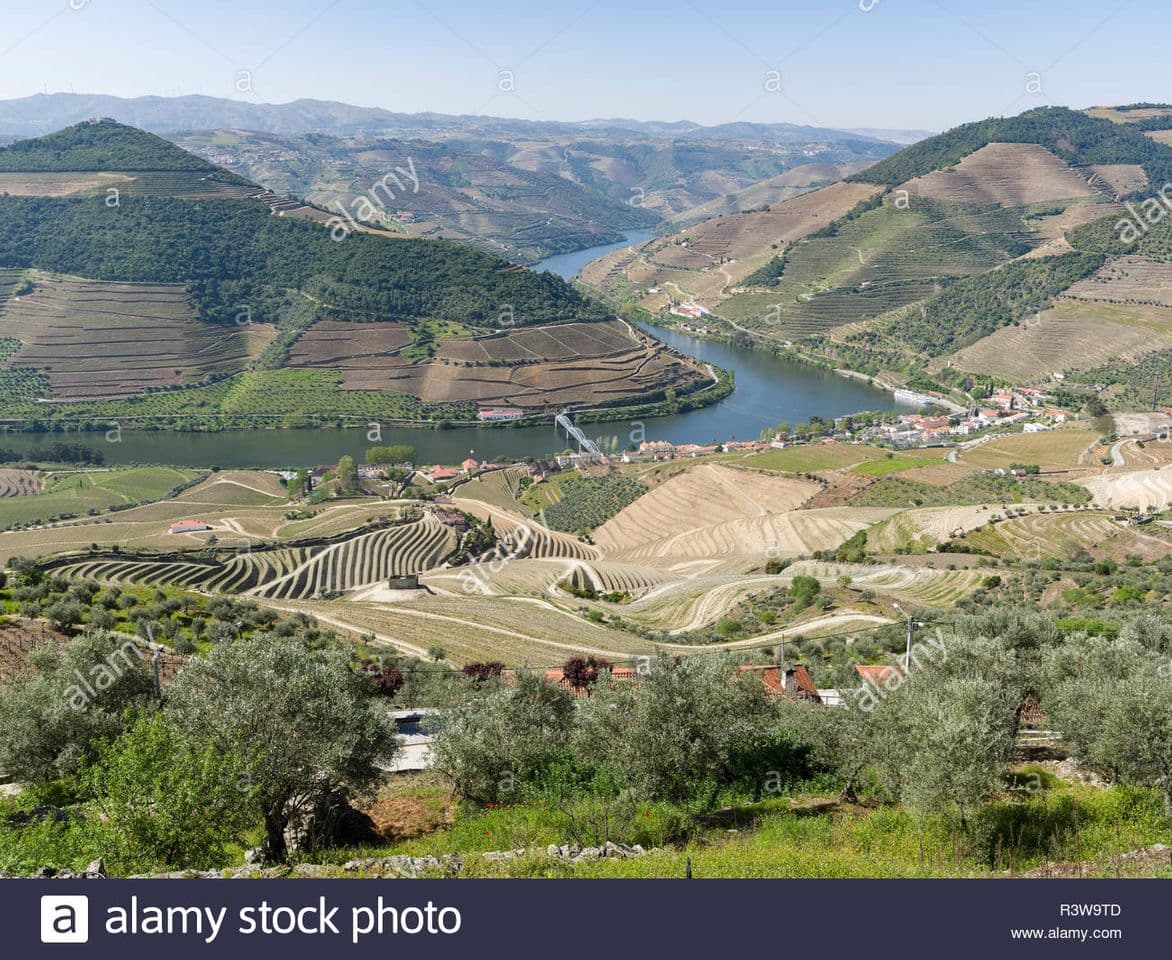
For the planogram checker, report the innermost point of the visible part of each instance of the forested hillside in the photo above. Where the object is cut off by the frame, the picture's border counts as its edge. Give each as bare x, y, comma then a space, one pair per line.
231, 250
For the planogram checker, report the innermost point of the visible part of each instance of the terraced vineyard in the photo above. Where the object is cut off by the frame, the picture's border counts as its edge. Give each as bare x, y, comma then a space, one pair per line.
295, 572
246, 570
20, 638
1143, 489
878, 261
185, 574
1007, 174
922, 585
605, 577
787, 534
96, 339
8, 281
514, 631
1067, 536
364, 560
1074, 334
926, 527
532, 539
697, 500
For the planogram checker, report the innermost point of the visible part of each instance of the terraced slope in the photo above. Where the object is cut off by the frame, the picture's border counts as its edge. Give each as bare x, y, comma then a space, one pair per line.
879, 260
547, 577
922, 585
528, 538
1139, 488
149, 573
1006, 174
19, 483
770, 535
1067, 536
926, 527
1072, 335
701, 498
514, 630
364, 560
117, 339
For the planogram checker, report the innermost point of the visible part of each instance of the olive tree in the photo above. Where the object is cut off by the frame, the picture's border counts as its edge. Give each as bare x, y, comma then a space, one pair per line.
1112, 702
72, 696
942, 736
690, 728
305, 723
505, 737
948, 739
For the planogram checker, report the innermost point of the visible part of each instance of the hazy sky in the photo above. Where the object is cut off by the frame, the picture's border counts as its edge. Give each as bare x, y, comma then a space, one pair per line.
899, 64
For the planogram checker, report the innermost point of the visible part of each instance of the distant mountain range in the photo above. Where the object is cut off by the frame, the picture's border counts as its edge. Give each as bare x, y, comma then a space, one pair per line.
44, 113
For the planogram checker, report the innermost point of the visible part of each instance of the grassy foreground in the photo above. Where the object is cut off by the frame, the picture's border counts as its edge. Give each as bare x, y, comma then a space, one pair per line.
798, 836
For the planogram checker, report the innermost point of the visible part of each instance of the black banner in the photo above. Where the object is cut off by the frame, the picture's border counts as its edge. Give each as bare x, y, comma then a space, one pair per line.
569, 919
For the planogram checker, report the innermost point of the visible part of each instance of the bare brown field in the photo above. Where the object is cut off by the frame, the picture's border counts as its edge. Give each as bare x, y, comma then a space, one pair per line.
1127, 280
1122, 178
1071, 335
19, 483
183, 185
95, 339
531, 368
1161, 136
58, 184
363, 352
1007, 174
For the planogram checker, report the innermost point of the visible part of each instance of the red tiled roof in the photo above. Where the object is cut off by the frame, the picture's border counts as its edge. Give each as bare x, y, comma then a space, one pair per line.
189, 525
876, 673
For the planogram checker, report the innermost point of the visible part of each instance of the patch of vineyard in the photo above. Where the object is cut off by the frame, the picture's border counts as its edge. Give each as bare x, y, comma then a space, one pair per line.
606, 578
287, 573
541, 543
19, 483
364, 560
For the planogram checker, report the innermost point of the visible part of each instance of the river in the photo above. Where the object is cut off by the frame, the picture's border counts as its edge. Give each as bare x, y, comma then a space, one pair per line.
768, 391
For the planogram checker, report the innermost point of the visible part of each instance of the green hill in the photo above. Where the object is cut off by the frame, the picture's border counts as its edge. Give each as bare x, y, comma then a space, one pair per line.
101, 145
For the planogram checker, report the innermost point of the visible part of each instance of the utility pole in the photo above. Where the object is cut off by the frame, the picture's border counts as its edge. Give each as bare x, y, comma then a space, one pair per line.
911, 632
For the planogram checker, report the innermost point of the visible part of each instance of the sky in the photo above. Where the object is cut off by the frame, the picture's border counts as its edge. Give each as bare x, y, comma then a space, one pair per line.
894, 64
